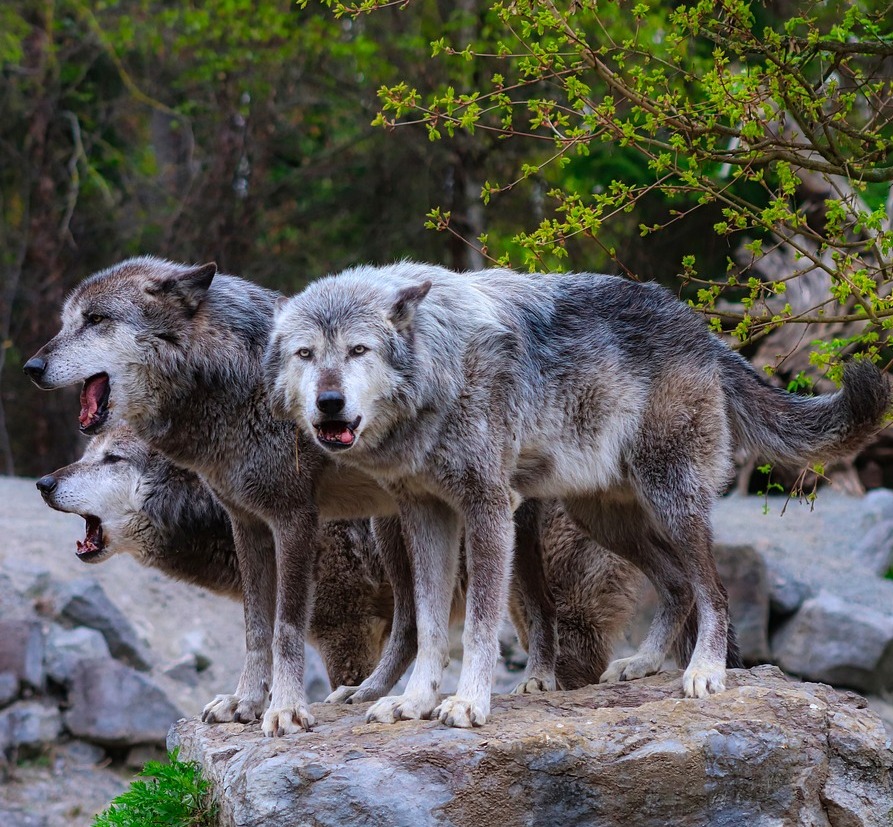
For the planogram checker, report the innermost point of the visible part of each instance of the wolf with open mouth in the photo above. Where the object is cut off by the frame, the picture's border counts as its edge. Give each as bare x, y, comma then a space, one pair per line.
460, 392
176, 352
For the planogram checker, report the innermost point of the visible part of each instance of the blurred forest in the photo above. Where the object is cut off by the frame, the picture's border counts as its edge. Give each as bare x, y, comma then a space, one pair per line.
282, 142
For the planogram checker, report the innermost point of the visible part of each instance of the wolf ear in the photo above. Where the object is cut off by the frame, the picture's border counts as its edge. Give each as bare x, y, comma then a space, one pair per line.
279, 306
189, 287
404, 307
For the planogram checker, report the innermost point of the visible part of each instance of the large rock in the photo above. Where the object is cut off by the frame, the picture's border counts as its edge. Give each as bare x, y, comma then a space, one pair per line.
768, 752
65, 648
831, 609
833, 640
84, 603
114, 705
30, 724
21, 651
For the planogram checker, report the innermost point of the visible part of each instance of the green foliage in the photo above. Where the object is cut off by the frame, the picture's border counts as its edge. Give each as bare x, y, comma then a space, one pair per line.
175, 795
702, 105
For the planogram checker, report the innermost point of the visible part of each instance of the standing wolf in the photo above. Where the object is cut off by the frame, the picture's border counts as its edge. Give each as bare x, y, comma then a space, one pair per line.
607, 394
177, 352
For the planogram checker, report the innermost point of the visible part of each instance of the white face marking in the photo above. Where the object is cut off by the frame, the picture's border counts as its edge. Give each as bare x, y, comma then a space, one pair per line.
349, 362
89, 344
104, 483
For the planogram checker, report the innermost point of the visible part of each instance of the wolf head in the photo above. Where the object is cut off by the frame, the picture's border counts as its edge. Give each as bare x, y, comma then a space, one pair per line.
104, 488
341, 353
113, 323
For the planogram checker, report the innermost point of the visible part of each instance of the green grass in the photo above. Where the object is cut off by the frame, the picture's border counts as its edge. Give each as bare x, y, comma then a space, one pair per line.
172, 795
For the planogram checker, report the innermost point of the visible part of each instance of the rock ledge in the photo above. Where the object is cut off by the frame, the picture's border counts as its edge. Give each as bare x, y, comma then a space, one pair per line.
769, 751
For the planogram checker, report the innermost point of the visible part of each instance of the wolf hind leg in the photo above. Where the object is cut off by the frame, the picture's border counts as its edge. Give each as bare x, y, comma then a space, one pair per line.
680, 511
431, 531
400, 648
624, 528
533, 605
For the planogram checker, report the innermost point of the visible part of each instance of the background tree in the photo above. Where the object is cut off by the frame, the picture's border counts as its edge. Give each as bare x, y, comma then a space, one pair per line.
736, 150
760, 134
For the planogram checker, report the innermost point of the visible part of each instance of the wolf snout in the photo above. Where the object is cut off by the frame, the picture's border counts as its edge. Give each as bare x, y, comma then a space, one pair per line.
46, 485
330, 402
35, 367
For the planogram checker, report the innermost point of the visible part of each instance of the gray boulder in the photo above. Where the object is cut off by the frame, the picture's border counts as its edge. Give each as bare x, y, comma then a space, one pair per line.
114, 705
21, 651
30, 725
66, 647
839, 642
767, 752
83, 602
9, 687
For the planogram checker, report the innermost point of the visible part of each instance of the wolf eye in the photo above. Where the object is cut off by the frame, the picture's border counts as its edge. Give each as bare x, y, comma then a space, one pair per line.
305, 352
110, 459
358, 350
95, 318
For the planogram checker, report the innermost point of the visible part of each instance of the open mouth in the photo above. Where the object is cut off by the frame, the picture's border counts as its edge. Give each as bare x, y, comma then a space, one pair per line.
91, 547
94, 403
336, 433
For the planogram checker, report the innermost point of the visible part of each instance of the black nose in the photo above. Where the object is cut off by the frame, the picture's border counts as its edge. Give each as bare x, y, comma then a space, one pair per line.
47, 484
35, 367
330, 402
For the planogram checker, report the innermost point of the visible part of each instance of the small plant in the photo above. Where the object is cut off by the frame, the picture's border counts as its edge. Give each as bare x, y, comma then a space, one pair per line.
175, 795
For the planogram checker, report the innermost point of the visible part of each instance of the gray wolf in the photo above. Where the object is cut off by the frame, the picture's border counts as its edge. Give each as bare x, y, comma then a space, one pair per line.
176, 351
136, 501
461, 393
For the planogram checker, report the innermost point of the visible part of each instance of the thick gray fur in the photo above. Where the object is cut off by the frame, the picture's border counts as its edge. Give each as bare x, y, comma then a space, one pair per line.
183, 347
467, 392
168, 519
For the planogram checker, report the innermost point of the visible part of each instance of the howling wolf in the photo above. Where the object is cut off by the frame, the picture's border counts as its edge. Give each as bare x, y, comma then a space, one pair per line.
135, 501
463, 393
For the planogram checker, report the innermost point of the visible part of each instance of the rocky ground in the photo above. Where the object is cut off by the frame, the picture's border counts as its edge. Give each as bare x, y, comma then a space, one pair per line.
97, 661
768, 752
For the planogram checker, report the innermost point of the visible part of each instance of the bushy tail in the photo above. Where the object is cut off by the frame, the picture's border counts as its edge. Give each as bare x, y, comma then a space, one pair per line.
796, 430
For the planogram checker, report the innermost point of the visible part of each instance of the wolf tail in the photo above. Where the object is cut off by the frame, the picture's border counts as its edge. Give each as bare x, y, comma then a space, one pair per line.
795, 430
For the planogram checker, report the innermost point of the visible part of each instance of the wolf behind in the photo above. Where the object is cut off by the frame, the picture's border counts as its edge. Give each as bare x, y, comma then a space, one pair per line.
462, 392
135, 501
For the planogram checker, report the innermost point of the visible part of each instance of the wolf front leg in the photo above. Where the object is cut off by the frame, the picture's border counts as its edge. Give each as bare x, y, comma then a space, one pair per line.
431, 530
296, 548
400, 648
256, 553
489, 540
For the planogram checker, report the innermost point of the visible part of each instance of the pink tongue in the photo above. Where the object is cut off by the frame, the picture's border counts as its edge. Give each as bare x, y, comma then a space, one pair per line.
346, 436
90, 396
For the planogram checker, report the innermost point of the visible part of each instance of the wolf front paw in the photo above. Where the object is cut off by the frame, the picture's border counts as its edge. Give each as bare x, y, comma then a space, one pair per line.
534, 686
395, 708
629, 669
226, 708
701, 680
287, 721
458, 712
